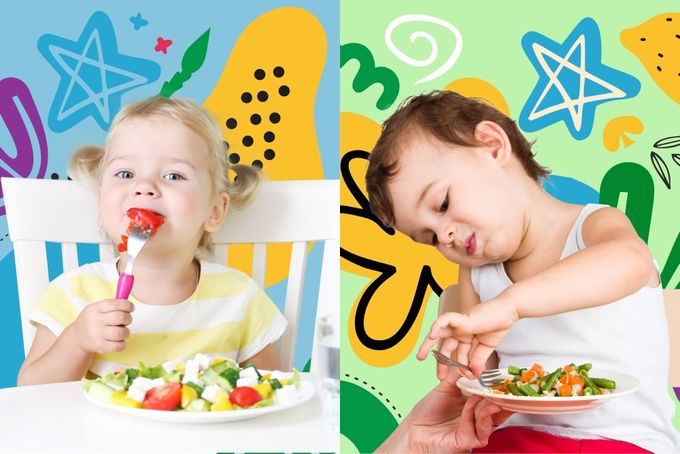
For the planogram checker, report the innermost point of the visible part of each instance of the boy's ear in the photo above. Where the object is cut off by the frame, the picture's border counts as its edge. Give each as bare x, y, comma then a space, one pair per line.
217, 213
495, 139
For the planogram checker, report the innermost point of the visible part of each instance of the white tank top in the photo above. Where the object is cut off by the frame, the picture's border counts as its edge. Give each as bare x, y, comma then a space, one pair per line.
629, 336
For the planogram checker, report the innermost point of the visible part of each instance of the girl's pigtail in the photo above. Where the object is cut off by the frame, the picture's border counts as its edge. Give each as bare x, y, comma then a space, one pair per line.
245, 185
85, 164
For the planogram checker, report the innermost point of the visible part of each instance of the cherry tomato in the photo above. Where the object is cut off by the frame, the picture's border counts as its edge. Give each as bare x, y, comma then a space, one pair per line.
164, 397
143, 218
244, 396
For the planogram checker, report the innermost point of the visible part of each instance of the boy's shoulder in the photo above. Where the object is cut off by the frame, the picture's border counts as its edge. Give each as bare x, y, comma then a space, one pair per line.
605, 222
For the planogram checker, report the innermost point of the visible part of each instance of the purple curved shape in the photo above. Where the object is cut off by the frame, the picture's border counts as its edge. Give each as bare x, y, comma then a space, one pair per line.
677, 393
13, 91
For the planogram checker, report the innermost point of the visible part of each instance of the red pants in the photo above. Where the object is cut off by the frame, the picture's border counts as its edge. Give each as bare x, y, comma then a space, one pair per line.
522, 439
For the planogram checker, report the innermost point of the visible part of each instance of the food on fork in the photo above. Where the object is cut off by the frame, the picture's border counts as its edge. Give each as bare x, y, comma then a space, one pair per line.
200, 384
568, 381
142, 218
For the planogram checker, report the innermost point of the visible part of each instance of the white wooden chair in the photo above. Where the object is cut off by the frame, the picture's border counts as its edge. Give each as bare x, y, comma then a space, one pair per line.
297, 212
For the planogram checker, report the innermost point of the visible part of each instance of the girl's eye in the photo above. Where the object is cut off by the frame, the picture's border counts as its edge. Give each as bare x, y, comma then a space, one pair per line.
445, 204
173, 176
125, 174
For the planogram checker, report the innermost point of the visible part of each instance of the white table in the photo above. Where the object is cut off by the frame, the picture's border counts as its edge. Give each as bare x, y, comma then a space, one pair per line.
57, 418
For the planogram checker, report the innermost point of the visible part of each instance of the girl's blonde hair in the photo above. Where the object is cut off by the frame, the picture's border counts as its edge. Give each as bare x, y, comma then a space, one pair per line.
85, 166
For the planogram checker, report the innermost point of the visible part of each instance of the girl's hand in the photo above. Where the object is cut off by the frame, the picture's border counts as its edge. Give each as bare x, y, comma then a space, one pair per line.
102, 327
475, 334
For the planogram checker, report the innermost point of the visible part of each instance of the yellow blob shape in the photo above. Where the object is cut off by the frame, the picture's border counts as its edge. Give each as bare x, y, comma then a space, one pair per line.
615, 131
656, 43
390, 303
478, 88
264, 104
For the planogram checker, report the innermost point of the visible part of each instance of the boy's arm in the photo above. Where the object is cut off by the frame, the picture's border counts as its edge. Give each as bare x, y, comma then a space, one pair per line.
615, 263
54, 359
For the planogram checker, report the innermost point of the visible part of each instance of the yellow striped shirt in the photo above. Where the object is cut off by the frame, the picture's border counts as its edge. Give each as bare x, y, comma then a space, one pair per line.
228, 315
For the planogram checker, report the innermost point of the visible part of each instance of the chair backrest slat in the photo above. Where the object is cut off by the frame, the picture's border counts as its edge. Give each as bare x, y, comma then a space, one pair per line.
105, 251
69, 256
329, 289
259, 263
296, 274
298, 212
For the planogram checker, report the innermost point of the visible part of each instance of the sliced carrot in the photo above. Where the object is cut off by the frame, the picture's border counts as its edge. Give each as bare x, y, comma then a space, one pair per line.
576, 380
527, 376
564, 379
568, 368
565, 390
539, 369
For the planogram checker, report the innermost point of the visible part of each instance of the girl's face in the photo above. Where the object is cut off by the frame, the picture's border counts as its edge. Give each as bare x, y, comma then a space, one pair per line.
160, 165
457, 199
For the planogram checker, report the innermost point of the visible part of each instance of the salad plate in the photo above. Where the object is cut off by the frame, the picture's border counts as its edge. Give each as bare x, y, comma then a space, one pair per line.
552, 405
305, 392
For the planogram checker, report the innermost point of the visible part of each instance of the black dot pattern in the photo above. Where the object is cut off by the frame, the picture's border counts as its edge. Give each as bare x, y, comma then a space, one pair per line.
278, 72
259, 74
257, 163
231, 123
234, 158
269, 154
284, 90
246, 97
262, 96
269, 137
255, 119
274, 117
54, 176
247, 141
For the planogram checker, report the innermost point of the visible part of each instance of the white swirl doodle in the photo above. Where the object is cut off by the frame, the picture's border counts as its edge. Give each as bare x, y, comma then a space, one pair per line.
434, 48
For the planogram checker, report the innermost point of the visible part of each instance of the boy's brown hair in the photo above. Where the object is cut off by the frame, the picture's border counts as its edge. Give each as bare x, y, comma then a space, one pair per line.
449, 117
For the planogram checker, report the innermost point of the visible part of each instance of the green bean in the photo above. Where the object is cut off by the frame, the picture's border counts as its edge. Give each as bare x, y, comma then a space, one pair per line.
584, 376
604, 382
522, 371
588, 391
585, 366
513, 389
550, 380
527, 390
513, 370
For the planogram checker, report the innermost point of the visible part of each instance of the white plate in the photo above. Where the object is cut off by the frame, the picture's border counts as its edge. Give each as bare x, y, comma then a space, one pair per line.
625, 384
305, 392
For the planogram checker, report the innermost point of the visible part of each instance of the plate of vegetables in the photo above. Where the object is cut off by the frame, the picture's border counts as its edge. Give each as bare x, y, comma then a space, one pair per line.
568, 389
198, 390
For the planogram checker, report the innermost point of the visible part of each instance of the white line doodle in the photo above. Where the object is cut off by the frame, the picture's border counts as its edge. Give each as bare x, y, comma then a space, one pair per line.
434, 47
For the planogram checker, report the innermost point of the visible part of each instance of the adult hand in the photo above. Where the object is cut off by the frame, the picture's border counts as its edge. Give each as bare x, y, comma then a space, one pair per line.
101, 327
446, 421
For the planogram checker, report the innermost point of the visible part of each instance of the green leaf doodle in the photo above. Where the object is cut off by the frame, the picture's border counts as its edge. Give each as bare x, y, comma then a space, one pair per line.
191, 62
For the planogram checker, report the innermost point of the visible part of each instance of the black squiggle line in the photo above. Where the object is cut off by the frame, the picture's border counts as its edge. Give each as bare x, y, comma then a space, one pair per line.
365, 210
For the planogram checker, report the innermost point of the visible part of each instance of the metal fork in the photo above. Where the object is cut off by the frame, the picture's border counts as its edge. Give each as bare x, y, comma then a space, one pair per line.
488, 378
136, 241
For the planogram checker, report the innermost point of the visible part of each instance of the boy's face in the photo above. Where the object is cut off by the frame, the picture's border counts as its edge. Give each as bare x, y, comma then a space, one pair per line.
456, 199
160, 165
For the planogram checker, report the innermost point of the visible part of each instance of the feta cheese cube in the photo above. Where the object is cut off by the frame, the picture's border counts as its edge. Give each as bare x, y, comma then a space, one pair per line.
247, 381
210, 393
286, 394
203, 361
191, 367
157, 382
136, 393
142, 383
248, 372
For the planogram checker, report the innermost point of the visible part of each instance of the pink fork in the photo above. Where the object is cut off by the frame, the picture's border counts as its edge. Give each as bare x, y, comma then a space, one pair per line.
136, 241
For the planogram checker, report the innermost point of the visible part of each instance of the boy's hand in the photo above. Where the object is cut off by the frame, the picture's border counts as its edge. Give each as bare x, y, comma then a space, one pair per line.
102, 327
474, 335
